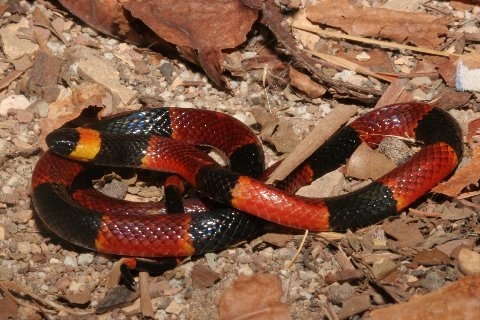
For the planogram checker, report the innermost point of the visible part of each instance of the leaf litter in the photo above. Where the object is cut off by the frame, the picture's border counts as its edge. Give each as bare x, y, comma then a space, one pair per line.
54, 67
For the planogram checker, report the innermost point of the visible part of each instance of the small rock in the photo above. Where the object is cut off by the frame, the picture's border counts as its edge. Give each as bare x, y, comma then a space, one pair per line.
175, 308
246, 270
74, 286
23, 116
433, 281
22, 216
70, 261
468, 261
62, 284
363, 56
84, 259
166, 69
6, 273
211, 260
2, 233
307, 275
23, 146
336, 294
24, 247
42, 109
420, 81
16, 101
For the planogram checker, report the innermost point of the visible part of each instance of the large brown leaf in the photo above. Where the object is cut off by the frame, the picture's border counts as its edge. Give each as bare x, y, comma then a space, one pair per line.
422, 29
206, 27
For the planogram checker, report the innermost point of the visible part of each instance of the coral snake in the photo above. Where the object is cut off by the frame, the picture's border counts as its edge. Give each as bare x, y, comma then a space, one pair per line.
143, 139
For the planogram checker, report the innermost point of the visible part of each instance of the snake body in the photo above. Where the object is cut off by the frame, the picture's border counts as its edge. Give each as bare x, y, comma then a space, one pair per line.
143, 139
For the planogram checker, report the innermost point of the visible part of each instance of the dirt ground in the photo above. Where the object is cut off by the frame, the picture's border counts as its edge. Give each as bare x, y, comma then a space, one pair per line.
323, 275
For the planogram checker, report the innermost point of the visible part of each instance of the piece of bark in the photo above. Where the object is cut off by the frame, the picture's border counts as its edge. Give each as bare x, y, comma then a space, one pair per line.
45, 72
326, 127
304, 83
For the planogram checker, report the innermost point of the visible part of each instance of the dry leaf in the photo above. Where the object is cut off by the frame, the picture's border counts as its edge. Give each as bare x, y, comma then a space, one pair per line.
366, 163
432, 257
203, 276
458, 301
451, 99
422, 29
106, 16
307, 85
8, 308
78, 298
205, 27
407, 234
469, 174
254, 297
473, 129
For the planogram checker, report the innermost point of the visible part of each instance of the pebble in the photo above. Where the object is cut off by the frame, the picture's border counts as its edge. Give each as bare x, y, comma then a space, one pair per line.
74, 286
70, 261
468, 261
42, 109
16, 101
2, 233
23, 116
246, 270
84, 259
166, 70
24, 247
420, 81
62, 284
22, 216
211, 260
175, 307
336, 294
6, 273
13, 181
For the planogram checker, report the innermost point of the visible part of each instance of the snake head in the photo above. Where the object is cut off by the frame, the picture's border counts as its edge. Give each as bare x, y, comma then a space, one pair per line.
80, 144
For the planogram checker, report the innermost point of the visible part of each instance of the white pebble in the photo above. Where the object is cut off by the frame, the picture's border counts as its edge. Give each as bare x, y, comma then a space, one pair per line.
13, 102
84, 259
70, 261
24, 247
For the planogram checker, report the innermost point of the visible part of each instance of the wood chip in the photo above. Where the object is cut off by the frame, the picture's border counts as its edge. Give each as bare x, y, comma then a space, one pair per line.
326, 127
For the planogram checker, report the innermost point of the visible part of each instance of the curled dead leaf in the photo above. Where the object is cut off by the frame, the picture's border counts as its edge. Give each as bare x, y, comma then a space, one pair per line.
366, 163
254, 297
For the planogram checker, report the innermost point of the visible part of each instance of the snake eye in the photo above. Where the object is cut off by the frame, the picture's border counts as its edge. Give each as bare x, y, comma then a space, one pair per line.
63, 141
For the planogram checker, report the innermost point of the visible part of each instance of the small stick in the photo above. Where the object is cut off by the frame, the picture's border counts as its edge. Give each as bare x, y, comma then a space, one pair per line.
289, 264
324, 129
145, 301
394, 45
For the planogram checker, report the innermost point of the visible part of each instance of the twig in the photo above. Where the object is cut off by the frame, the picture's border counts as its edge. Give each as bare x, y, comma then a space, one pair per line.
393, 45
289, 264
468, 195
145, 300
